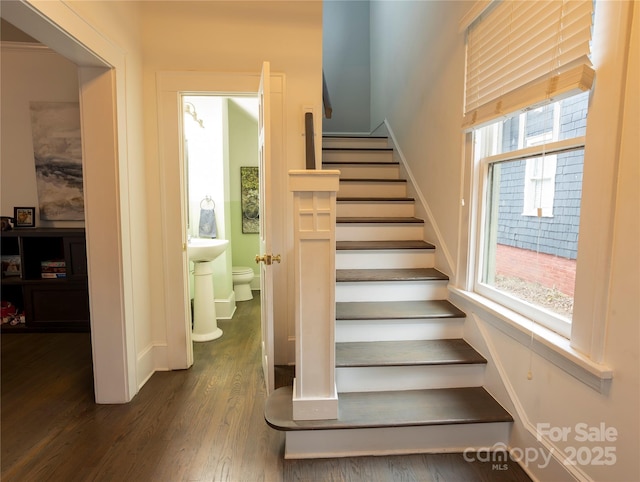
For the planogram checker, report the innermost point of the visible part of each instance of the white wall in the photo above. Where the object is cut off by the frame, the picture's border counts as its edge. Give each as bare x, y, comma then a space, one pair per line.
235, 37
417, 79
345, 60
30, 72
118, 24
420, 92
243, 152
208, 169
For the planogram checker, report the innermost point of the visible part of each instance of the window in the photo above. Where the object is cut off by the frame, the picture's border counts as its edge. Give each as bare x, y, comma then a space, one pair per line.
539, 186
526, 103
531, 210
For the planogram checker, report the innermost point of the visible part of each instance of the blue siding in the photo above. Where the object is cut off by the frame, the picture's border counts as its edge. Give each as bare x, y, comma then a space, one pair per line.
557, 235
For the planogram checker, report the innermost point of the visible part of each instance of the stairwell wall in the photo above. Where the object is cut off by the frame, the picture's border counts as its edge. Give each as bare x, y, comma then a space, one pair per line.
417, 79
346, 64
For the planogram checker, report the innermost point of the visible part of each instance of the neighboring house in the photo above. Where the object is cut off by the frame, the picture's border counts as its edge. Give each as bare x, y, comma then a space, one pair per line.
560, 200
416, 84
553, 184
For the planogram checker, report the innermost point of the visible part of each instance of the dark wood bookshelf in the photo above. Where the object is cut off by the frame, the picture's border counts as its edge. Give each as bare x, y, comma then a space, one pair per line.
48, 304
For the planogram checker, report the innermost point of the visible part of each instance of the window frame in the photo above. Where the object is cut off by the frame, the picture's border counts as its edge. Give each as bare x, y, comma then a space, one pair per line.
536, 314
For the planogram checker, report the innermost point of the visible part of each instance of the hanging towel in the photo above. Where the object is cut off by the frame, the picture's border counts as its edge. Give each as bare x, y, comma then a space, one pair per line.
207, 219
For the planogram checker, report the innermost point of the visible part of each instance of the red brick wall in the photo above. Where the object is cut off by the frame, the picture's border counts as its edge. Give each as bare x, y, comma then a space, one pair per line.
546, 269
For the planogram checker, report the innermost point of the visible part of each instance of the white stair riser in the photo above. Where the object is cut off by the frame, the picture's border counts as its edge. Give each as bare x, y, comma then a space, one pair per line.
358, 156
399, 330
379, 232
376, 379
367, 209
367, 189
368, 171
391, 290
387, 259
355, 142
452, 438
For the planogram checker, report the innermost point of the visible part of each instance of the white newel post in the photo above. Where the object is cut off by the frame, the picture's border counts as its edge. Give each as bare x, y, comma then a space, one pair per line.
314, 209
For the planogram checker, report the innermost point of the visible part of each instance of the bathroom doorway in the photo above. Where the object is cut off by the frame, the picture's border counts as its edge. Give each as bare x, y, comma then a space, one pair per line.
220, 158
171, 87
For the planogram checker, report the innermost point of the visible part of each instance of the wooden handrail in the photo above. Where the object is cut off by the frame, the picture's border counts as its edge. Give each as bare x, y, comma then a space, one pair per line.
326, 101
310, 148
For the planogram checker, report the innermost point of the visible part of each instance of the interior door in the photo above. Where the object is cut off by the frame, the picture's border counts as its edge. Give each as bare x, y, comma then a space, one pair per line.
265, 258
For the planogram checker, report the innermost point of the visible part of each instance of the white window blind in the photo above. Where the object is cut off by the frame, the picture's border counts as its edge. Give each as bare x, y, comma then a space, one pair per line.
520, 53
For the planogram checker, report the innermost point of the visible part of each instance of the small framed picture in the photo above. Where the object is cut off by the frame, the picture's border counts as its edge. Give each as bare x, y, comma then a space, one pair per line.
24, 217
10, 265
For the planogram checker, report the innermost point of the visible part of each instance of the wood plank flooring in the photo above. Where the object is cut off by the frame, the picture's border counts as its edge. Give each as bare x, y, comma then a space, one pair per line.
202, 424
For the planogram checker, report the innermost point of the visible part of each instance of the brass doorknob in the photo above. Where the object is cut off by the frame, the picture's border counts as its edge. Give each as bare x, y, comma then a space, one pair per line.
268, 259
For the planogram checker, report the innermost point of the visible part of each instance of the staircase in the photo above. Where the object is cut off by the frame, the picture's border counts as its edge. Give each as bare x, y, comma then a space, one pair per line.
407, 381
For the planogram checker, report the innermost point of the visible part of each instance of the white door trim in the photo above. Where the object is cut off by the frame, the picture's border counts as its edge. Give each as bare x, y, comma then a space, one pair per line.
170, 86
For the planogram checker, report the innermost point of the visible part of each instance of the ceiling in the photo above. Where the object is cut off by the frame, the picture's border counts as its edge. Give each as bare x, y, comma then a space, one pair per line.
11, 33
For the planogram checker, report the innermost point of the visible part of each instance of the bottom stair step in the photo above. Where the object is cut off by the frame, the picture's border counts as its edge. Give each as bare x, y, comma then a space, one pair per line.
411, 421
393, 409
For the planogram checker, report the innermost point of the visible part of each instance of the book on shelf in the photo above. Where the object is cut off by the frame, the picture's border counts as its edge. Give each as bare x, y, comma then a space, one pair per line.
53, 268
53, 263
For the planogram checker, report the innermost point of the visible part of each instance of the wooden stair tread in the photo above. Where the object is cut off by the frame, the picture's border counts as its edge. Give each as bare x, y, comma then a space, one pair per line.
374, 179
393, 409
352, 136
391, 310
362, 163
378, 220
406, 353
398, 274
376, 199
381, 245
355, 149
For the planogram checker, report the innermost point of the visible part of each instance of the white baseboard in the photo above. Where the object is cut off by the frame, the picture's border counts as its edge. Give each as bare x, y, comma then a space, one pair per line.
226, 307
153, 359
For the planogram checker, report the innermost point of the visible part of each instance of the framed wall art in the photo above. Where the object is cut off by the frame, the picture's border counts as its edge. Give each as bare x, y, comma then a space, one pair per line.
57, 150
250, 200
24, 217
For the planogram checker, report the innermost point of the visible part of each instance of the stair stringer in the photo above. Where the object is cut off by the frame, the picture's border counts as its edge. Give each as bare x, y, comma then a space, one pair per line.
444, 260
523, 437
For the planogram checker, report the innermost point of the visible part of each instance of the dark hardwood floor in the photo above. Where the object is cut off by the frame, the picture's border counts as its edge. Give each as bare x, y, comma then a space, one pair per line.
201, 424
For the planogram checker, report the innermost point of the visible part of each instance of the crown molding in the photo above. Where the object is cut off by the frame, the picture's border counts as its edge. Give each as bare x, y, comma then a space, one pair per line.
24, 46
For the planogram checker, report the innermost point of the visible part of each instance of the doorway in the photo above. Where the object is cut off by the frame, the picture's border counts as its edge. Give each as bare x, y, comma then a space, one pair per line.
221, 144
171, 86
112, 338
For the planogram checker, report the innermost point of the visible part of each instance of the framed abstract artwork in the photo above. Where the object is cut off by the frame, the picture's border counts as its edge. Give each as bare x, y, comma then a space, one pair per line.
250, 199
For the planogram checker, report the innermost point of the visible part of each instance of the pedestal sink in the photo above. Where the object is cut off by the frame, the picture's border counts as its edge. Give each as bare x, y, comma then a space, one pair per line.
202, 252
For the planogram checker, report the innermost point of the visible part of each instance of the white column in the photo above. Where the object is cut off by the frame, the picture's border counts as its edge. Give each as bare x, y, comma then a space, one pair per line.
205, 322
314, 208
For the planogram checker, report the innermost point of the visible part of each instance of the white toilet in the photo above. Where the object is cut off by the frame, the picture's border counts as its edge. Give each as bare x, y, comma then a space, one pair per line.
242, 277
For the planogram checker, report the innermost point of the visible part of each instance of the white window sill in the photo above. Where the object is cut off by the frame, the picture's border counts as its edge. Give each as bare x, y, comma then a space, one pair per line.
544, 342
